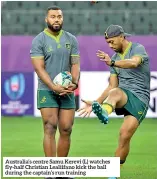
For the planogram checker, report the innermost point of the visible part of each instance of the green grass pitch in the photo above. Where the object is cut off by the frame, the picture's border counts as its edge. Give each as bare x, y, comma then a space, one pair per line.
22, 137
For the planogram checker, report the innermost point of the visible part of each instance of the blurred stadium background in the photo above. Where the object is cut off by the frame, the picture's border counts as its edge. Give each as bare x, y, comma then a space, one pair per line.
27, 18
22, 134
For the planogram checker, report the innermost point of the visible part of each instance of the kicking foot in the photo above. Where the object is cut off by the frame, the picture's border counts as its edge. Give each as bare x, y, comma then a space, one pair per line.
50, 178
100, 112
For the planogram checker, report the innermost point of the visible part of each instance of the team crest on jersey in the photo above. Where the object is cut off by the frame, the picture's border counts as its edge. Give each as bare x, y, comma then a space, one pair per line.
68, 46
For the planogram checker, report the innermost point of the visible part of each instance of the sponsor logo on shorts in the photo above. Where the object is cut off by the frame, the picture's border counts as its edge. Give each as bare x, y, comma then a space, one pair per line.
140, 112
43, 100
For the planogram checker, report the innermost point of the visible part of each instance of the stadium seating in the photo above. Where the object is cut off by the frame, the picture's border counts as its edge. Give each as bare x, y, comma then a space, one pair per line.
27, 17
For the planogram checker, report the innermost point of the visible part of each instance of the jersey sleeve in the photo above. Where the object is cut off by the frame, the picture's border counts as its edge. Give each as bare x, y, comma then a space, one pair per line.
112, 69
75, 48
36, 48
140, 51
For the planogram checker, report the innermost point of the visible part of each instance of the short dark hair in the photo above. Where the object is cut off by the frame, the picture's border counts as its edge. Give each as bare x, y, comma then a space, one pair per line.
53, 8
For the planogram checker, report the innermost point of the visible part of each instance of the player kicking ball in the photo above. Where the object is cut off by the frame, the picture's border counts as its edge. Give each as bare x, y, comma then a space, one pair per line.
128, 92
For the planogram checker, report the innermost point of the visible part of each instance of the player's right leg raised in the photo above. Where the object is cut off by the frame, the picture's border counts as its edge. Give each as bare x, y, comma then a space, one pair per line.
116, 99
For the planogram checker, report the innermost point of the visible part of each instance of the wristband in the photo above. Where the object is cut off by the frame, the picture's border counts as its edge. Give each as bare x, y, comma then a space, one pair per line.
112, 63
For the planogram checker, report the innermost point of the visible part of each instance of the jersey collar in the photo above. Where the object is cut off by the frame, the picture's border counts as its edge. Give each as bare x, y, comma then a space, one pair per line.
56, 38
122, 56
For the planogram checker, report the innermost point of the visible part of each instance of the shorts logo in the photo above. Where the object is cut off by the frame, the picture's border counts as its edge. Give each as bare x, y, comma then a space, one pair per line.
43, 100
140, 112
68, 46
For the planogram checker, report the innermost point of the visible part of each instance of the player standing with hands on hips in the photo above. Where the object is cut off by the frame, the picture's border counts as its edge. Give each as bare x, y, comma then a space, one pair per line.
128, 92
53, 51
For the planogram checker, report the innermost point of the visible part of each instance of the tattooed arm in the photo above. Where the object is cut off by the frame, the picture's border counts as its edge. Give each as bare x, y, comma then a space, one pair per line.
75, 69
75, 63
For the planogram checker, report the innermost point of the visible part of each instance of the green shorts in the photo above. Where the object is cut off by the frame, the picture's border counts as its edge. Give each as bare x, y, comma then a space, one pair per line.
49, 99
134, 107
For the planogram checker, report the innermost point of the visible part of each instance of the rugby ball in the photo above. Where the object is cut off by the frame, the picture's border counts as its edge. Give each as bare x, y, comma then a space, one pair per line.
64, 79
